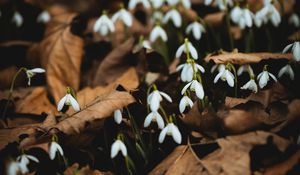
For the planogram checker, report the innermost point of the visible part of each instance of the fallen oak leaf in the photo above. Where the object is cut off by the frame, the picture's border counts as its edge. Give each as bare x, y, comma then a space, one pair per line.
75, 169
244, 58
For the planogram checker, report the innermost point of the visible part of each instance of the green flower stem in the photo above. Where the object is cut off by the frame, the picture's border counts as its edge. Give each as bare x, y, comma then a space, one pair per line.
11, 89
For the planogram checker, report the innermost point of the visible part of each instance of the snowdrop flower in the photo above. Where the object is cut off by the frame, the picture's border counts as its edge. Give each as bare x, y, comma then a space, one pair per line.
17, 19
194, 86
124, 16
171, 130
207, 2
69, 100
158, 32
117, 146
242, 17
286, 70
104, 25
187, 47
133, 3
157, 3
268, 12
142, 44
294, 20
196, 28
187, 72
118, 116
186, 4
44, 17
24, 161
264, 77
225, 75
250, 85
173, 15
156, 16
155, 98
172, 2
31, 72
154, 116
245, 68
55, 147
222, 4
184, 102
13, 168
295, 50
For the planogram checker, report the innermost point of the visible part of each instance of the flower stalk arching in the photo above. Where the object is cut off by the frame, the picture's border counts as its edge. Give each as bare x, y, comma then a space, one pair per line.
231, 66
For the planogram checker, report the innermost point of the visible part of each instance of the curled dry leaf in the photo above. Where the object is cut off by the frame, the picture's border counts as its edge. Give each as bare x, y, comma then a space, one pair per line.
61, 54
75, 169
244, 58
233, 157
180, 161
114, 64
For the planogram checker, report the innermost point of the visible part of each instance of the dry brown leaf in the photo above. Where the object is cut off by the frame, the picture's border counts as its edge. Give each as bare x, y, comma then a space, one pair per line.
61, 54
233, 156
102, 107
75, 169
114, 64
180, 161
244, 58
285, 166
35, 102
295, 36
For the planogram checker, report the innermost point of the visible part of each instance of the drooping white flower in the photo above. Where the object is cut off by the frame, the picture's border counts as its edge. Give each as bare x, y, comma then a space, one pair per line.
223, 4
69, 100
186, 4
133, 3
13, 168
155, 98
17, 19
242, 17
104, 25
187, 47
294, 20
225, 75
184, 102
194, 86
187, 72
31, 72
158, 32
154, 116
264, 77
286, 70
53, 149
142, 44
172, 2
245, 68
174, 16
171, 130
196, 28
250, 85
44, 17
268, 13
295, 50
124, 16
207, 2
24, 161
117, 146
156, 4
118, 116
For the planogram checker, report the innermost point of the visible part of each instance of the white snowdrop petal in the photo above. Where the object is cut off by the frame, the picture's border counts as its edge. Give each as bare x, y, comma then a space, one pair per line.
123, 149
288, 47
176, 18
179, 51
61, 103
115, 147
148, 119
13, 168
163, 134
154, 103
176, 134
199, 67
59, 149
193, 51
74, 103
186, 4
197, 31
207, 2
118, 116
185, 88
282, 71
182, 105
263, 79
37, 70
178, 68
189, 28
291, 72
199, 90
296, 51
33, 158
273, 77
160, 121
218, 77
52, 151
166, 96
229, 78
